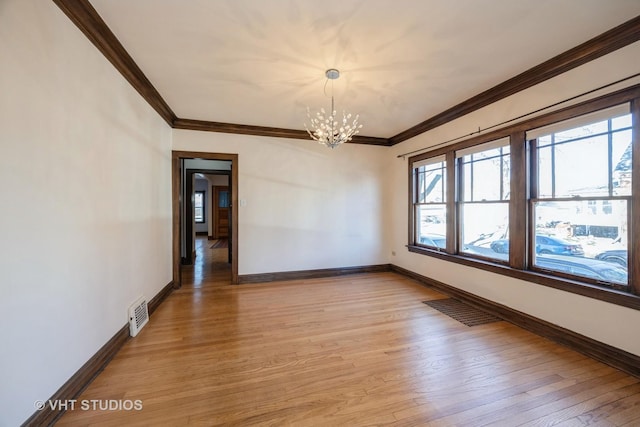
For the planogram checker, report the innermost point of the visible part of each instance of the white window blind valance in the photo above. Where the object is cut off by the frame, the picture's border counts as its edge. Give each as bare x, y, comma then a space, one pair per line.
587, 119
502, 142
429, 161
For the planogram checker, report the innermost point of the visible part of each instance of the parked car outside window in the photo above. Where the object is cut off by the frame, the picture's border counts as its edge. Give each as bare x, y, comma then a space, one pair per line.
434, 240
617, 256
544, 245
585, 267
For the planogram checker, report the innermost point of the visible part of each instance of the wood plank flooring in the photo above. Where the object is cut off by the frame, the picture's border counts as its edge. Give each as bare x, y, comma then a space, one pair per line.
348, 351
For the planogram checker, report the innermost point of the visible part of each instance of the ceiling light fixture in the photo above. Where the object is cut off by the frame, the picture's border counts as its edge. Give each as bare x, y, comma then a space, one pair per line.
325, 128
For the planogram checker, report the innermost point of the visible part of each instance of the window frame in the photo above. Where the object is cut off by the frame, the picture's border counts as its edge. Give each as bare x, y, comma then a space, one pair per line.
461, 203
416, 203
523, 182
535, 198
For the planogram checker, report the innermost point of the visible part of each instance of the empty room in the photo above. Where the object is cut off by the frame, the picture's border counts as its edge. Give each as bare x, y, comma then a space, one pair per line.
339, 213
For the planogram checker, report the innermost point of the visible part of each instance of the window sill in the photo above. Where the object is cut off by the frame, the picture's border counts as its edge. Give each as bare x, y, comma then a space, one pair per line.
585, 289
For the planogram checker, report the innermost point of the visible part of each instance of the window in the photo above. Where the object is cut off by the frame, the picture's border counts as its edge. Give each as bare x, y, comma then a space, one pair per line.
484, 179
582, 196
429, 203
198, 206
552, 205
223, 199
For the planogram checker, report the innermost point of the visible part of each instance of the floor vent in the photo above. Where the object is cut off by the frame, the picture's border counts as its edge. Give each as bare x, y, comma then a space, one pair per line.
138, 316
462, 312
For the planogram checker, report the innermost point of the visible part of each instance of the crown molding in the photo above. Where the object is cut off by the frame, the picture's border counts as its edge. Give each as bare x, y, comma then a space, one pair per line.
207, 126
607, 42
91, 24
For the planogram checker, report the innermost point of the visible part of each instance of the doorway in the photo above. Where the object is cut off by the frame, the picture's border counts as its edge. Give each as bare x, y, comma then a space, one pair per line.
194, 211
183, 217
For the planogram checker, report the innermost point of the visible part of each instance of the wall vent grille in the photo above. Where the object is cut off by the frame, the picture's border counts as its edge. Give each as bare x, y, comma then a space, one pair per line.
138, 316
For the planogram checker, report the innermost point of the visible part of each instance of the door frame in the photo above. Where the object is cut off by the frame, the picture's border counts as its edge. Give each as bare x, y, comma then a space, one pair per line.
176, 185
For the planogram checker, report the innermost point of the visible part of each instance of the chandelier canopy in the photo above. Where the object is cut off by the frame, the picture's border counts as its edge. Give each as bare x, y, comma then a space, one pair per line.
325, 128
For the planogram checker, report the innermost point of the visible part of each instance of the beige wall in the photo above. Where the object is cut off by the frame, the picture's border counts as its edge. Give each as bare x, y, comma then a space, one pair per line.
85, 222
602, 321
303, 206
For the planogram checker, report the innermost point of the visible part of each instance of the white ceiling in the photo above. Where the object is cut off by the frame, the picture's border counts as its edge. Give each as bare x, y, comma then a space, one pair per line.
262, 62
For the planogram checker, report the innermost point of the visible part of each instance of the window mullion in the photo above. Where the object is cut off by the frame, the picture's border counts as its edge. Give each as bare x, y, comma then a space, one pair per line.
452, 214
553, 165
532, 151
610, 157
470, 197
501, 175
634, 223
518, 202
413, 199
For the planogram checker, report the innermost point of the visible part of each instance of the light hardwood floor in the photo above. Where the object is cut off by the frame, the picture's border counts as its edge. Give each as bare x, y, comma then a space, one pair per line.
347, 351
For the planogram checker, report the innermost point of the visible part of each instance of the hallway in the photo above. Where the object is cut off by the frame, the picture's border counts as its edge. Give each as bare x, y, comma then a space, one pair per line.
209, 266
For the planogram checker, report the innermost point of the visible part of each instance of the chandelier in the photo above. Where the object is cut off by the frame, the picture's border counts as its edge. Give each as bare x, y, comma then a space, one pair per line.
325, 127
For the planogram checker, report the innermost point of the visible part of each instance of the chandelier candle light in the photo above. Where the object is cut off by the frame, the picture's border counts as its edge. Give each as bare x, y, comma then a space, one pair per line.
325, 128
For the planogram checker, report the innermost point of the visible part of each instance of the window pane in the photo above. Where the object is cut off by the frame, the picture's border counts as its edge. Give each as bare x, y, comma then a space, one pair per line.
486, 175
545, 173
432, 225
466, 182
198, 206
543, 141
621, 155
583, 238
506, 178
198, 199
431, 187
198, 215
485, 228
223, 199
578, 162
486, 182
582, 131
581, 168
621, 122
